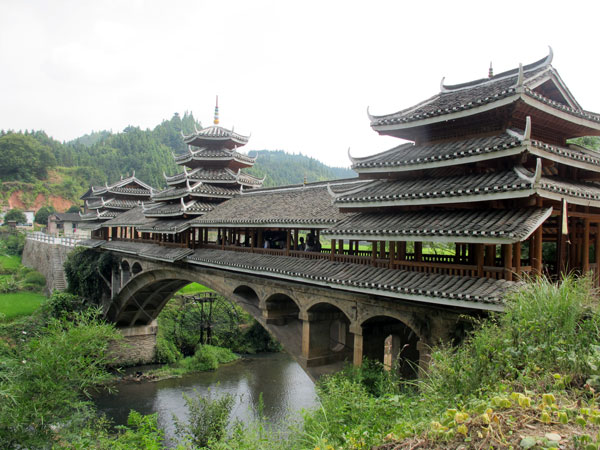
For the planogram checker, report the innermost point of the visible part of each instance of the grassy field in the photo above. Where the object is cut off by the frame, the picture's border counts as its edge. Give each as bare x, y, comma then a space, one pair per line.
10, 262
192, 288
20, 303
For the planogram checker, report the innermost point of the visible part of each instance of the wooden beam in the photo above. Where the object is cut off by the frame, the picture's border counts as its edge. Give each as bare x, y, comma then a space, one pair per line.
418, 251
537, 259
585, 254
517, 258
507, 259
332, 254
479, 249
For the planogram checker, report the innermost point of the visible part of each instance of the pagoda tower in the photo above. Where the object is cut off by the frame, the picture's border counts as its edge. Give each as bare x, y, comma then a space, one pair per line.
102, 203
212, 173
490, 173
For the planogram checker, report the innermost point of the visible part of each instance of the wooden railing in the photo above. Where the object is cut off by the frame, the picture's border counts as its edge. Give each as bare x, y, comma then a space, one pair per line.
429, 263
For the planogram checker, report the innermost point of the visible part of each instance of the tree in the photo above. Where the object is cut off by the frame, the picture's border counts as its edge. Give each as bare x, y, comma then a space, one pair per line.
42, 214
73, 209
15, 214
24, 158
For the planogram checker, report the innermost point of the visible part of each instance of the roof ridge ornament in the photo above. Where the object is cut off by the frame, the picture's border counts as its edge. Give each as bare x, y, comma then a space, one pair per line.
442, 87
491, 71
369, 115
187, 185
216, 119
521, 76
538, 171
332, 194
550, 56
527, 134
352, 160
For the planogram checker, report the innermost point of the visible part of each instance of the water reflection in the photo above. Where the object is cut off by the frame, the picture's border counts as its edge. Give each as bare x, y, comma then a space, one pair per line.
286, 389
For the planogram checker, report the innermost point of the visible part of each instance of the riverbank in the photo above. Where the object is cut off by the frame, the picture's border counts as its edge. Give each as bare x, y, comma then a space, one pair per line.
269, 386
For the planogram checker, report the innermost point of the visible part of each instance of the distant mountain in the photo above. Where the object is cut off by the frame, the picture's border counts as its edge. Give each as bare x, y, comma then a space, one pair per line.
34, 164
281, 168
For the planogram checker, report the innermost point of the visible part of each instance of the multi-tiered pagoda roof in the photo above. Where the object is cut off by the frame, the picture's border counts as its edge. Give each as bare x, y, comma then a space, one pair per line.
106, 202
212, 173
491, 162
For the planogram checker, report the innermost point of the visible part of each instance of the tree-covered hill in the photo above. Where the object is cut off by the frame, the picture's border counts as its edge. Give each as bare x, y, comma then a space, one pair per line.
33, 164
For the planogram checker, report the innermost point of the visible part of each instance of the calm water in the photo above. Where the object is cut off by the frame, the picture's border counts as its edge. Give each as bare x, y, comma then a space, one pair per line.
286, 389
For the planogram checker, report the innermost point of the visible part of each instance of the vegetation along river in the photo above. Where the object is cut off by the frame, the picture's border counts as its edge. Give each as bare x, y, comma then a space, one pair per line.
285, 389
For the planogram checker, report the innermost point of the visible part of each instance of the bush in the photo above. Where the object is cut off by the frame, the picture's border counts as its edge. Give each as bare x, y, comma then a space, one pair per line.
546, 329
16, 215
207, 421
208, 357
166, 352
63, 304
45, 381
34, 280
13, 243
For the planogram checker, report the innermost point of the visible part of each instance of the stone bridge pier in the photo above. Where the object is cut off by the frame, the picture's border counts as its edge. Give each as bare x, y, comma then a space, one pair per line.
321, 327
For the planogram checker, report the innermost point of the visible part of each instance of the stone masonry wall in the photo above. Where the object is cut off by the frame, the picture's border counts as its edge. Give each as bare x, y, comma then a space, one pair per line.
137, 347
38, 255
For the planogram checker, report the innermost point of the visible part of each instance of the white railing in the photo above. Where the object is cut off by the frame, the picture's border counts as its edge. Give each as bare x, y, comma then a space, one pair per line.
43, 237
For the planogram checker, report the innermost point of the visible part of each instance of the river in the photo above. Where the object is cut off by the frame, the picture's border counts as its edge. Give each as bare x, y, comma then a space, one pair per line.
285, 388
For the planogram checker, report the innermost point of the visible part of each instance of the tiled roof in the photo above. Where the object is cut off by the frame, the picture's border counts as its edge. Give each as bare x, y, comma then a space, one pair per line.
211, 154
119, 187
223, 175
466, 96
101, 215
480, 293
514, 183
152, 251
133, 217
471, 225
176, 209
165, 226
201, 190
427, 190
112, 203
67, 217
290, 206
215, 134
410, 155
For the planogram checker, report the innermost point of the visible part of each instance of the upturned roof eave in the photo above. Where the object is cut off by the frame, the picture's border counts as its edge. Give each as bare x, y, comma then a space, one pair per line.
528, 97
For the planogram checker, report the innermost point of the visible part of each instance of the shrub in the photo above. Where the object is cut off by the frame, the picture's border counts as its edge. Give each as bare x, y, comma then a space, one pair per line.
166, 352
208, 357
35, 280
207, 420
546, 328
61, 304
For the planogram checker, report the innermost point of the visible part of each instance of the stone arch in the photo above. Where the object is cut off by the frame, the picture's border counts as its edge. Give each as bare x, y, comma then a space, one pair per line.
280, 308
331, 327
136, 268
248, 299
391, 341
125, 271
347, 308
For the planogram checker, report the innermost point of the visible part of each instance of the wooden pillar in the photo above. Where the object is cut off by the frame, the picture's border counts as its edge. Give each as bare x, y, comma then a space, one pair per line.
490, 255
402, 251
340, 247
392, 253
507, 260
288, 241
597, 253
585, 254
373, 253
295, 238
517, 258
261, 239
332, 254
479, 249
418, 251
537, 250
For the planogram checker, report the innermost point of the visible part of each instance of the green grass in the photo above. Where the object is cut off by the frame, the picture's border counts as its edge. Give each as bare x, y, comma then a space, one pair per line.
10, 262
193, 288
20, 304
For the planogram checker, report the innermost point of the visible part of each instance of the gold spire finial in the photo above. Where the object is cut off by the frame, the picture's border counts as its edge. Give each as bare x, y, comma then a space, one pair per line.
491, 71
216, 121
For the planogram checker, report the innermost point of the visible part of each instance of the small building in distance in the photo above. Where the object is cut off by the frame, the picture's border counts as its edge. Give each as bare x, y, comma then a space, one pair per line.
68, 225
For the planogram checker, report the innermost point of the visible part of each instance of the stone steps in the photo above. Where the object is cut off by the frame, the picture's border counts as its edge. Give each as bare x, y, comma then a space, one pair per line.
58, 273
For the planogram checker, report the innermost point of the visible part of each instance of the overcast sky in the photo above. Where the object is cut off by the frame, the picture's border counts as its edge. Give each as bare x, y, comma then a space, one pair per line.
297, 75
